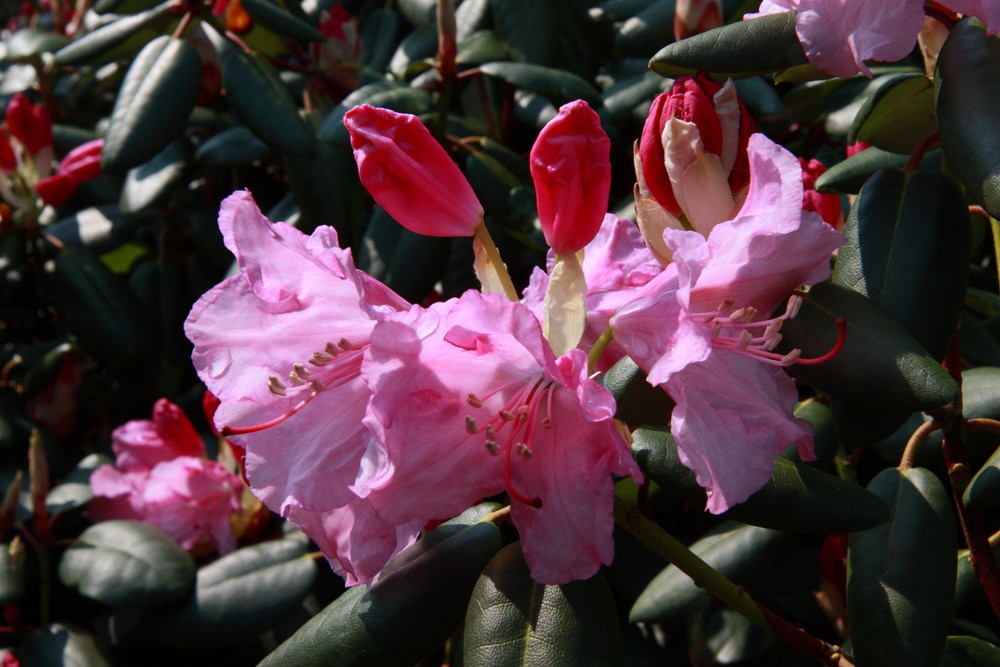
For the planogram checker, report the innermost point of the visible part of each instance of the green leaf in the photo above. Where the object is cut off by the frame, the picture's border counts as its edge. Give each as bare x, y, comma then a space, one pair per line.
984, 489
851, 174
59, 645
969, 652
968, 108
797, 498
379, 38
901, 221
900, 584
106, 317
153, 105
557, 84
898, 115
75, 491
278, 20
482, 47
28, 42
234, 145
109, 37
898, 371
417, 264
640, 35
401, 618
414, 53
263, 103
529, 27
737, 552
99, 229
127, 564
238, 596
758, 46
514, 620
858, 424
623, 97
327, 187
152, 183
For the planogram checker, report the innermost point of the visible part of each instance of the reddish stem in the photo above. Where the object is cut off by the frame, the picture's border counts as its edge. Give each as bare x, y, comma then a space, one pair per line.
941, 14
917, 156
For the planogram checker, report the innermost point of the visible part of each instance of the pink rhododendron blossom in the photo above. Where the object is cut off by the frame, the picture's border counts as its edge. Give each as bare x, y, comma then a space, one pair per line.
702, 329
161, 477
410, 175
571, 167
470, 401
838, 36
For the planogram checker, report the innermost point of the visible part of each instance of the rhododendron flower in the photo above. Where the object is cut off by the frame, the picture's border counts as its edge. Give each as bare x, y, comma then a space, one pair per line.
161, 477
702, 329
826, 204
410, 175
691, 163
838, 36
570, 165
469, 401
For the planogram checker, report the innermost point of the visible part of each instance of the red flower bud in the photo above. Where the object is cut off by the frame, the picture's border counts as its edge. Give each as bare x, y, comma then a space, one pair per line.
571, 166
410, 175
55, 190
826, 204
29, 124
83, 163
692, 17
8, 161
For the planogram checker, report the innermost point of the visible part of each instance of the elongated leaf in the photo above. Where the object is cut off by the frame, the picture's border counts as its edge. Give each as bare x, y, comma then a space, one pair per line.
153, 105
104, 39
12, 576
529, 27
968, 107
641, 35
127, 564
278, 20
898, 371
232, 146
796, 499
152, 183
99, 229
898, 115
261, 101
738, 552
379, 38
901, 221
402, 617
851, 174
969, 652
984, 489
559, 85
238, 596
514, 620
59, 645
899, 594
758, 46
75, 491
29, 42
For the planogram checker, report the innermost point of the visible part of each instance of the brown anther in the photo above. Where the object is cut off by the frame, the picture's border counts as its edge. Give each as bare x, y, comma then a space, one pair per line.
294, 378
506, 416
321, 359
546, 423
492, 447
316, 386
301, 370
474, 401
344, 344
791, 357
331, 349
470, 426
490, 433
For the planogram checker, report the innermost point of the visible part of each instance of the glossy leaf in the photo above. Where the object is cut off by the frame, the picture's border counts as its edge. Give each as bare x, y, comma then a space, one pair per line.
624, 96
898, 115
796, 499
482, 47
234, 145
237, 596
851, 174
74, 491
736, 551
262, 101
559, 85
127, 564
898, 222
326, 188
968, 107
13, 558
529, 28
984, 489
858, 424
643, 33
60, 645
99, 229
898, 598
28, 42
106, 38
758, 46
152, 183
898, 371
153, 105
513, 620
379, 38
278, 20
969, 652
402, 617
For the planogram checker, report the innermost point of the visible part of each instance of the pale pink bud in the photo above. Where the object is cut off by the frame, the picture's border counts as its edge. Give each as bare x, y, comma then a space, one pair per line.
29, 124
571, 166
692, 17
410, 175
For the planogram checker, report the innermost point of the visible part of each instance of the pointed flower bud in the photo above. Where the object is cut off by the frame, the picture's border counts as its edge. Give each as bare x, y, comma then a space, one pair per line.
8, 161
410, 175
692, 17
692, 153
826, 204
571, 166
81, 164
29, 124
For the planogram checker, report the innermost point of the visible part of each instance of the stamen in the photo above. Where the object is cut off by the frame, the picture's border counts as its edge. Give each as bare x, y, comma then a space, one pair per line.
506, 416
331, 349
492, 447
276, 386
794, 304
744, 339
470, 425
301, 370
791, 357
321, 359
474, 401
294, 378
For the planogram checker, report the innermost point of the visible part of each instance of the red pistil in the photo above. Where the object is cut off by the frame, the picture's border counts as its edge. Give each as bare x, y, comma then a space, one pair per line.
841, 338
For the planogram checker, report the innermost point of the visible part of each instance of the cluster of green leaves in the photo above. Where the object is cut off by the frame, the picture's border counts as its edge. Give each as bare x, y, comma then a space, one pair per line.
92, 297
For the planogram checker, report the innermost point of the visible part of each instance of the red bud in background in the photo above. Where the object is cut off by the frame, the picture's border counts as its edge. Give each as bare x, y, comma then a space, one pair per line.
29, 124
826, 204
692, 17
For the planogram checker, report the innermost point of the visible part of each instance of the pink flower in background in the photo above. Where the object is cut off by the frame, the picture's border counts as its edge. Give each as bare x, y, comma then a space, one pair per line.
410, 175
571, 168
469, 401
838, 36
161, 477
702, 329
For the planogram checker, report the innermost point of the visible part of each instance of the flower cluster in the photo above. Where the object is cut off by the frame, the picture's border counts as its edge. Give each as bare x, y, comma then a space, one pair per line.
161, 476
364, 417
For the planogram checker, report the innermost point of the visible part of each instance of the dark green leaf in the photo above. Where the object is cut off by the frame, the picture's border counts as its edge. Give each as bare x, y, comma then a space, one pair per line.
758, 46
968, 108
559, 85
898, 115
59, 645
640, 36
624, 96
898, 596
482, 47
238, 596
858, 424
514, 620
969, 652
529, 27
414, 53
796, 498
261, 100
153, 105
327, 189
278, 20
732, 638
75, 491
402, 617
112, 35
127, 564
417, 264
403, 99
820, 416
232, 146
152, 183
379, 38
901, 221
851, 174
737, 552
984, 489
99, 229
898, 371
28, 42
